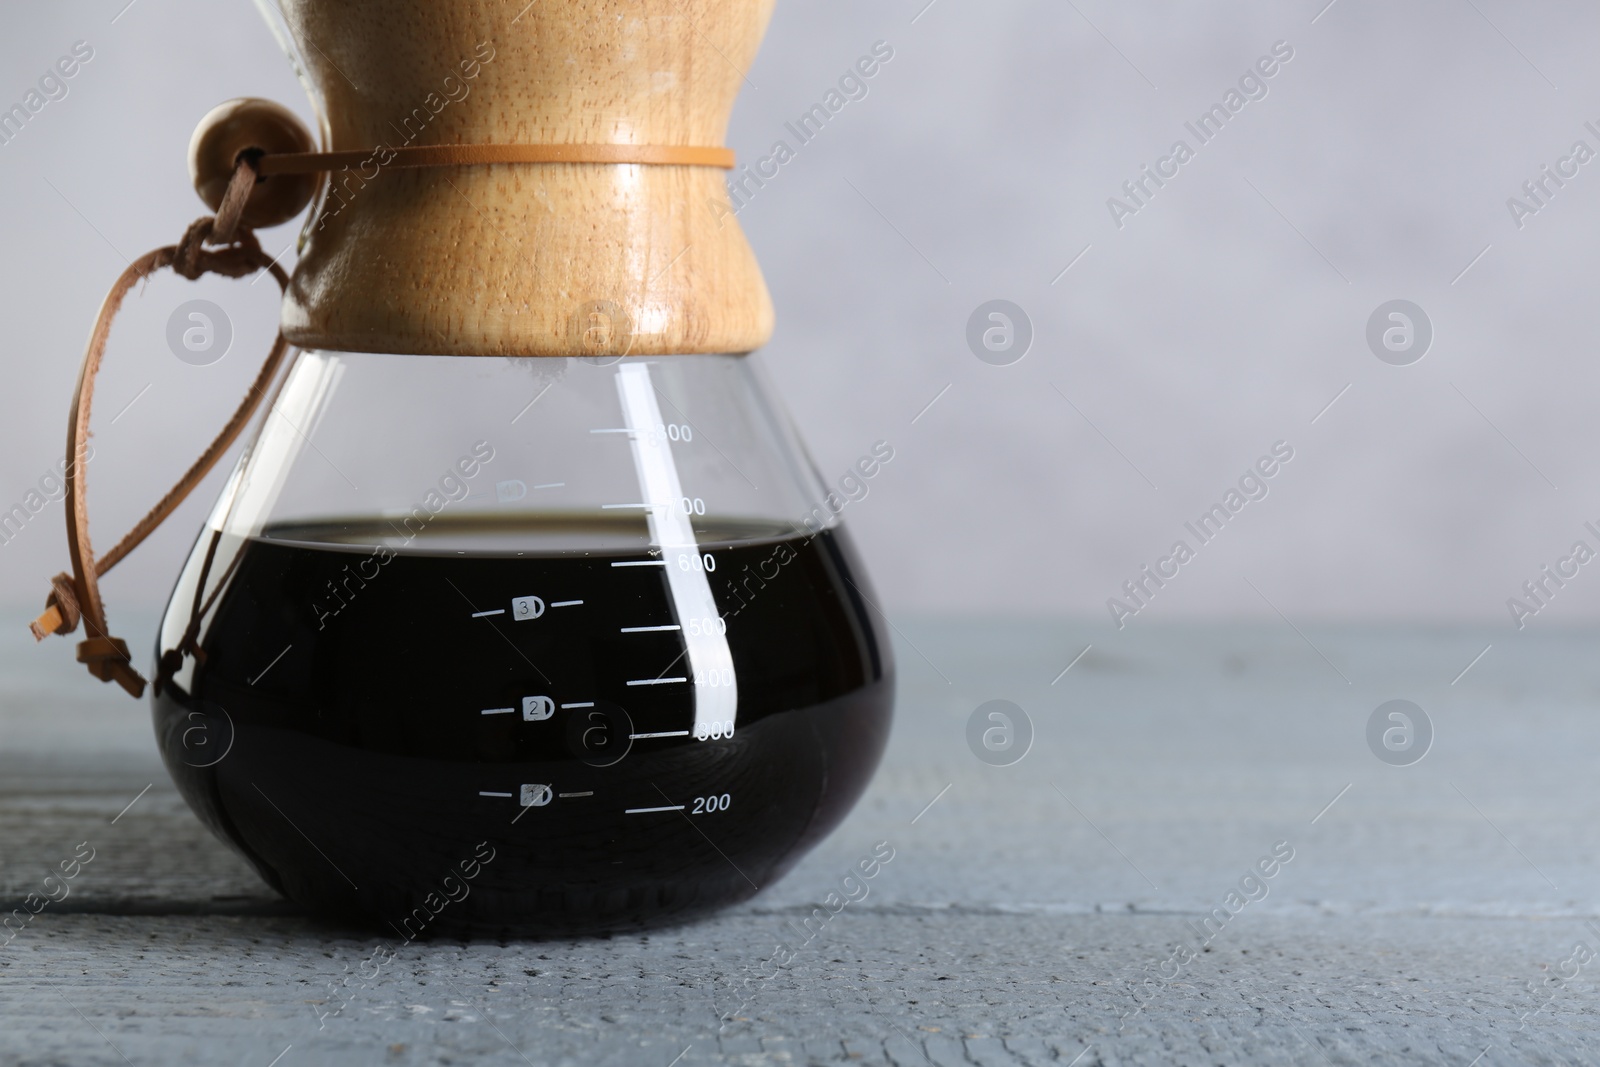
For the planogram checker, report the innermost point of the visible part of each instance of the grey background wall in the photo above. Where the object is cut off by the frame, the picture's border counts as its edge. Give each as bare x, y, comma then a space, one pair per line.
1223, 316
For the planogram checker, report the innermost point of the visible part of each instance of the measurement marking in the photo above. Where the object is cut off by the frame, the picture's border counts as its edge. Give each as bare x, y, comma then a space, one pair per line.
535, 400
646, 811
550, 485
580, 704
1331, 803
499, 711
131, 803
931, 803
486, 614
565, 603
1473, 664
590, 793
642, 563
662, 733
647, 629
656, 681
1073, 664
632, 506
622, 429
274, 663
483, 794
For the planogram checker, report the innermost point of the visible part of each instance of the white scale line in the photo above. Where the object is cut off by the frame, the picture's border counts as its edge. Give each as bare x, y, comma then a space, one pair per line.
499, 711
622, 430
483, 794
604, 506
582, 704
647, 629
656, 681
590, 793
486, 614
663, 733
550, 485
646, 811
642, 563
566, 603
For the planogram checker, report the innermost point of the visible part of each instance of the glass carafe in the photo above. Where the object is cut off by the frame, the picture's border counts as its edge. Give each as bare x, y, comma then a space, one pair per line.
544, 644
523, 610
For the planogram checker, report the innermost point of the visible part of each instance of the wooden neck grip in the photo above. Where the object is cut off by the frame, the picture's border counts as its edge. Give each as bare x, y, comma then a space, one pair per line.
526, 259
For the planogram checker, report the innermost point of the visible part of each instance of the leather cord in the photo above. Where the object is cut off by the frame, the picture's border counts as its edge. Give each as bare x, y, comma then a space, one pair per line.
220, 244
460, 155
212, 244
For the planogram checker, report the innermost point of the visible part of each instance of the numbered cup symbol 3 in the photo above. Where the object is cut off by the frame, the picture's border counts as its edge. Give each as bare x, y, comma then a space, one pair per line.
524, 608
536, 796
999, 733
199, 332
1399, 332
999, 332
1399, 733
206, 735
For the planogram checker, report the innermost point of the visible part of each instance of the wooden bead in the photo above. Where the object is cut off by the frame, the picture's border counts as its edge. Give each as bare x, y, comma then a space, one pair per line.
243, 125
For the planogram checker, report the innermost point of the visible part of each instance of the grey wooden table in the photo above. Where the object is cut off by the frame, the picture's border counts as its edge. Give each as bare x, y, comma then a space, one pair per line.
1441, 913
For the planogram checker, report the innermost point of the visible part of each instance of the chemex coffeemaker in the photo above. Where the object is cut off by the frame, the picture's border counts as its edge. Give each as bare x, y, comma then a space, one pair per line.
524, 610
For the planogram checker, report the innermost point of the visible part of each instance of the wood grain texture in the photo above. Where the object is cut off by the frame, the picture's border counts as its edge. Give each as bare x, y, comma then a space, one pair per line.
527, 259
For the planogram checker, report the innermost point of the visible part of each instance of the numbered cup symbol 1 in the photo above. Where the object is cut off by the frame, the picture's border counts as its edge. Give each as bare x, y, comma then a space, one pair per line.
1399, 333
537, 709
1399, 733
199, 332
999, 332
999, 733
536, 796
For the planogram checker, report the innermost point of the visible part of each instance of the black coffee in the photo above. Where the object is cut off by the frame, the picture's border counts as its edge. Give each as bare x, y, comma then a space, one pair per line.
457, 740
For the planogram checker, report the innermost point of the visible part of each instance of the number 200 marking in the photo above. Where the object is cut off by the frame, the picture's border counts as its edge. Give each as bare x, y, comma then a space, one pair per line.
705, 805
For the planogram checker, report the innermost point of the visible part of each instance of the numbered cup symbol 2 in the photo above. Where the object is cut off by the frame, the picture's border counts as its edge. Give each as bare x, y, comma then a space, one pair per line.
537, 709
600, 735
999, 332
1399, 733
199, 332
524, 608
999, 733
536, 796
1399, 333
